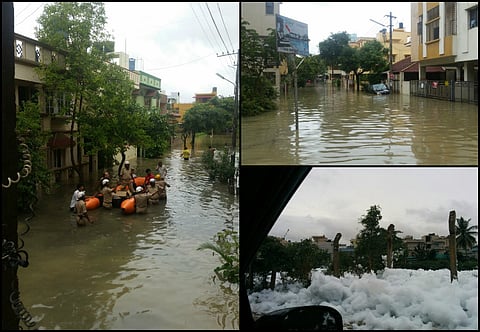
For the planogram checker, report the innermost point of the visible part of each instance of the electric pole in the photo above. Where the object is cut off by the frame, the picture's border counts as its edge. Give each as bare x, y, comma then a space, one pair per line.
390, 53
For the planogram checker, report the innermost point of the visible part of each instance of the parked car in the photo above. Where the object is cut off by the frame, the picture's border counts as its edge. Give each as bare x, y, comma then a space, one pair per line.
266, 190
378, 89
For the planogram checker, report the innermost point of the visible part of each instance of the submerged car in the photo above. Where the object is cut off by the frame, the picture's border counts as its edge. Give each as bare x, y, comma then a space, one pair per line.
379, 89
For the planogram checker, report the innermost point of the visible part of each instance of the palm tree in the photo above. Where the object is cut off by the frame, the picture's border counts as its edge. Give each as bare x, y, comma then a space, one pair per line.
465, 235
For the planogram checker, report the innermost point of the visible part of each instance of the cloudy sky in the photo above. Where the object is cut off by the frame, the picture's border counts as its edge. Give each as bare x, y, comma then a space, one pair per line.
178, 42
417, 200
325, 18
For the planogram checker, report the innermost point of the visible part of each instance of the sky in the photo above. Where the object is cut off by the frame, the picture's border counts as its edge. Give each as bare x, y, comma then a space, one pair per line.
325, 18
397, 299
417, 200
177, 42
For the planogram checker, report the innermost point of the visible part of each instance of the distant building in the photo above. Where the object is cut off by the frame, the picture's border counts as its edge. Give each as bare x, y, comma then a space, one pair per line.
205, 97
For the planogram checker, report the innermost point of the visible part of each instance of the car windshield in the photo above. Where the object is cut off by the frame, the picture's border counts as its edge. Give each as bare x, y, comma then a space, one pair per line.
380, 86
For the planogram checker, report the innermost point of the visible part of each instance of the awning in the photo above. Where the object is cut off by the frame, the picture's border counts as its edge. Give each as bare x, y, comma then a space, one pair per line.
59, 141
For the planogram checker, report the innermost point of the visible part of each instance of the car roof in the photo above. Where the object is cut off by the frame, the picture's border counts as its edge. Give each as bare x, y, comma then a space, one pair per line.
264, 193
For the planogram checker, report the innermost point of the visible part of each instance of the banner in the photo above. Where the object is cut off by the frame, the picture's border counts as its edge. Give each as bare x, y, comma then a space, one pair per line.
292, 36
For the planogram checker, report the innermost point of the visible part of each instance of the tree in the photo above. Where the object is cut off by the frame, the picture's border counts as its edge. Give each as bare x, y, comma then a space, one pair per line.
206, 117
29, 130
465, 234
370, 242
87, 87
311, 67
160, 130
271, 258
332, 49
257, 91
304, 256
372, 57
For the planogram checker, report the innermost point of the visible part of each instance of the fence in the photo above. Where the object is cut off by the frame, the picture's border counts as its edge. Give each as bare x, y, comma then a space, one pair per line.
458, 91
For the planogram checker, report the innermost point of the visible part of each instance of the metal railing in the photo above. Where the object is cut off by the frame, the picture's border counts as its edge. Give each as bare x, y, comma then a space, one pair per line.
458, 91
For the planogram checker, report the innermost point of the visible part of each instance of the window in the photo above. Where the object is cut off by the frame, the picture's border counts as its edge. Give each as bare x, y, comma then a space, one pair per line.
473, 17
433, 30
37, 54
450, 18
54, 103
57, 158
269, 8
19, 48
432, 13
420, 28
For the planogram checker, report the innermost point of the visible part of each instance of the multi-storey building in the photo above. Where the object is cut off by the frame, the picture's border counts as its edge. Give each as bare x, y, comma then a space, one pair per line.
446, 34
29, 54
261, 17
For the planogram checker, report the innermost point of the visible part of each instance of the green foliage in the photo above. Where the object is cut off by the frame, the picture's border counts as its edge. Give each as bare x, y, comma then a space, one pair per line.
465, 234
96, 97
222, 169
297, 259
257, 53
311, 67
28, 128
226, 245
160, 131
372, 241
332, 49
305, 256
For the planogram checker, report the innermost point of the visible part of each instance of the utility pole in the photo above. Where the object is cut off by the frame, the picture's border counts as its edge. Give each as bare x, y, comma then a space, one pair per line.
391, 49
390, 56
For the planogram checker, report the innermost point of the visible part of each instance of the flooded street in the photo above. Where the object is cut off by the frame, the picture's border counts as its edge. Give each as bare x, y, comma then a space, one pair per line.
345, 127
132, 271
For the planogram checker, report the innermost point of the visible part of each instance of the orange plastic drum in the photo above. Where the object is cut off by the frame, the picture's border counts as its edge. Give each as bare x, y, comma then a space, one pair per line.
92, 202
128, 205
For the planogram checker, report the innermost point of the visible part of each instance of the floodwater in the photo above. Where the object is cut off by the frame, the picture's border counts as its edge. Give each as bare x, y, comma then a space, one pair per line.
133, 271
336, 126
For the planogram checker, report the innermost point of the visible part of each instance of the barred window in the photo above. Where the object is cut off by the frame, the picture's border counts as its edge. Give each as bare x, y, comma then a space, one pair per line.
433, 13
269, 8
450, 18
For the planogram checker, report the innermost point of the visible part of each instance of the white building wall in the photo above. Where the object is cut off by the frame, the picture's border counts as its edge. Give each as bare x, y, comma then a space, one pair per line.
255, 14
467, 39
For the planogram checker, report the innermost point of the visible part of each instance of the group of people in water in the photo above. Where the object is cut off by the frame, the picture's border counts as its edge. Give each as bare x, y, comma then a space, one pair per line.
151, 191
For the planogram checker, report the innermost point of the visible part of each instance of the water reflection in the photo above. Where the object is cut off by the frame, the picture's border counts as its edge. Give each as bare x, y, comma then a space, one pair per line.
340, 127
129, 271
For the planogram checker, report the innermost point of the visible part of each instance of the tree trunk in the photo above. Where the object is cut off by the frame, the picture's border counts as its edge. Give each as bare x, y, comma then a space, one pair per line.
390, 230
452, 245
336, 256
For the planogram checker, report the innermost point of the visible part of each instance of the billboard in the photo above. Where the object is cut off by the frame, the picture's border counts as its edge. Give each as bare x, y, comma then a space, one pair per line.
292, 36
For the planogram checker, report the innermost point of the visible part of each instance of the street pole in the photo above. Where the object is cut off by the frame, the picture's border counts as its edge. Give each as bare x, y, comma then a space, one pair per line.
391, 56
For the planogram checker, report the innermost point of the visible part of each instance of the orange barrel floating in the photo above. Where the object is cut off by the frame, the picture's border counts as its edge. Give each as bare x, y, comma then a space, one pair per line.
128, 205
92, 202
139, 181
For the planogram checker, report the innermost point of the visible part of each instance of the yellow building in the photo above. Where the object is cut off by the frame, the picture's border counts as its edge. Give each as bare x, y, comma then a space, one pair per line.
400, 42
446, 34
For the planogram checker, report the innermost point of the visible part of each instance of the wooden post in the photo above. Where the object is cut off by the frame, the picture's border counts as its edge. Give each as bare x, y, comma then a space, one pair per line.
336, 256
452, 245
390, 231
